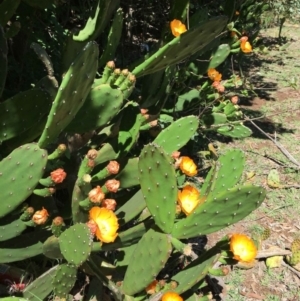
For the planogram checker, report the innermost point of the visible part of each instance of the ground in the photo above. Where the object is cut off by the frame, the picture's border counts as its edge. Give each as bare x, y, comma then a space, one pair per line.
277, 86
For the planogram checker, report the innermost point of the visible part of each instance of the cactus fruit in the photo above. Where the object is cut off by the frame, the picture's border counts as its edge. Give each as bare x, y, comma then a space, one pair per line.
20, 172
146, 262
79, 233
71, 94
156, 168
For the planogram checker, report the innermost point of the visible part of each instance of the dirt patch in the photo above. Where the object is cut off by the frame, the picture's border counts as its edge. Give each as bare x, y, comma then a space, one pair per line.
279, 106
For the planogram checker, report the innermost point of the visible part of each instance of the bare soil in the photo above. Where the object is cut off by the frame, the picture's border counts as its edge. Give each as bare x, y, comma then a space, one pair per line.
277, 82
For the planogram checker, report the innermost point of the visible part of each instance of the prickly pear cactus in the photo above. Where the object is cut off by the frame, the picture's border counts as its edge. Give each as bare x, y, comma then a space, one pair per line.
146, 262
177, 134
182, 47
155, 169
220, 210
71, 94
76, 244
20, 172
64, 279
41, 287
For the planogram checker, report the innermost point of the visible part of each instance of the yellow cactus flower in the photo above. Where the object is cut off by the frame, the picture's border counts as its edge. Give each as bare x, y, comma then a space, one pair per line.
188, 199
214, 75
177, 27
171, 296
243, 248
107, 224
187, 166
246, 47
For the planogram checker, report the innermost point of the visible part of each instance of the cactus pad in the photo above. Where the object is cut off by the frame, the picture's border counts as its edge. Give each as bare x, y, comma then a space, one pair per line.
146, 262
64, 279
176, 135
11, 230
180, 48
220, 210
102, 103
19, 174
159, 185
76, 244
19, 113
235, 131
72, 93
41, 287
227, 172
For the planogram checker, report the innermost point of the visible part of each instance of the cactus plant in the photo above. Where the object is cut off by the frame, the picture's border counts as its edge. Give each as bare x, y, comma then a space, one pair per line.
146, 262
79, 233
13, 184
156, 167
71, 96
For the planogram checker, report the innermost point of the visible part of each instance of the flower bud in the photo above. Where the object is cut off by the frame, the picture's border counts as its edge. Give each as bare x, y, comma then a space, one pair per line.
113, 167
40, 216
96, 195
109, 204
92, 154
58, 221
112, 185
58, 175
92, 226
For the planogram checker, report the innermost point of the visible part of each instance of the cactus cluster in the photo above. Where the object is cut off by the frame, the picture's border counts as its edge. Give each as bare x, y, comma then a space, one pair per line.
89, 134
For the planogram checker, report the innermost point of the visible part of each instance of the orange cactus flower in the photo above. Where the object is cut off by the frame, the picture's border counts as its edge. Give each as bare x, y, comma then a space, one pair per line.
188, 199
171, 296
177, 27
151, 288
107, 224
214, 75
96, 195
187, 166
242, 247
58, 175
246, 47
40, 216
